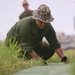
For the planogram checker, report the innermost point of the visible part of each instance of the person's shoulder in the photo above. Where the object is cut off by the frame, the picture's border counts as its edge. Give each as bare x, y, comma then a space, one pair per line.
30, 10
50, 27
26, 20
21, 14
26, 23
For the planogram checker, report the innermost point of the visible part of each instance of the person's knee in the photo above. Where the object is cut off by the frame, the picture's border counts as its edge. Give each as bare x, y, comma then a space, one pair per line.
49, 55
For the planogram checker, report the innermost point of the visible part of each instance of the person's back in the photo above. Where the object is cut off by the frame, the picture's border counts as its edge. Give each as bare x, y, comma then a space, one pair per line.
27, 12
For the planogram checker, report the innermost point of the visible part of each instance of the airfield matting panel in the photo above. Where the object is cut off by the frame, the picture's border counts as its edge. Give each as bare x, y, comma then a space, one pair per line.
50, 69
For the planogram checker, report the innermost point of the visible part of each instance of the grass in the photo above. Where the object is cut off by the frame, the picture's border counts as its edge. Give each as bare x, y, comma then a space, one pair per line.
9, 63
69, 53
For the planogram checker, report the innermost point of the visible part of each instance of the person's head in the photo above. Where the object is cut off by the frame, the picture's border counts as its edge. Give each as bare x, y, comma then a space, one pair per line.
42, 15
25, 5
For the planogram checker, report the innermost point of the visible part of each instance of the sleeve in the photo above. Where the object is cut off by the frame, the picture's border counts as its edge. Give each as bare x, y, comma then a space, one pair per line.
52, 39
26, 39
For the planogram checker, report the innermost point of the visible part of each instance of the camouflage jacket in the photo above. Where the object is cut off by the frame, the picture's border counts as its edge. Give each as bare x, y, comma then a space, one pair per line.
25, 14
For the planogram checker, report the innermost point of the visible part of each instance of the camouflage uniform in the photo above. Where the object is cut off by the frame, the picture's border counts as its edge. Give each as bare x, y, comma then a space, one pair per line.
29, 36
25, 14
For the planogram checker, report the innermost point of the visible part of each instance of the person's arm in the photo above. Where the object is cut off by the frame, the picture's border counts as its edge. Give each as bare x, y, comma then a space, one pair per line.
60, 52
61, 55
54, 43
33, 54
27, 41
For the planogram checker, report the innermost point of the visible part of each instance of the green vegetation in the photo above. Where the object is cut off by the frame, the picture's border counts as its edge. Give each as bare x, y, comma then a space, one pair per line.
10, 63
69, 53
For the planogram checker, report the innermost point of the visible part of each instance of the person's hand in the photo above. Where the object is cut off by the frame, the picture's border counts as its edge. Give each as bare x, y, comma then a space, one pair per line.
45, 63
64, 59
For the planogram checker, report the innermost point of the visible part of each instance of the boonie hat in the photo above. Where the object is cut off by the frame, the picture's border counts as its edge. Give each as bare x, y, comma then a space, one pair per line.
43, 13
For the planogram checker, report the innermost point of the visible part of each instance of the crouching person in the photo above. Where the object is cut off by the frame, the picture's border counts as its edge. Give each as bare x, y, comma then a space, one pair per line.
30, 31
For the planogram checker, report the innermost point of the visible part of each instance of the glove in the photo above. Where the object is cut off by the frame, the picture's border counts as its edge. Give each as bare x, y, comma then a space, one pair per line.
64, 59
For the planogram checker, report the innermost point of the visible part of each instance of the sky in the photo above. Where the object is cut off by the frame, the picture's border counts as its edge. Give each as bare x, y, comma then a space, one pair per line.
63, 12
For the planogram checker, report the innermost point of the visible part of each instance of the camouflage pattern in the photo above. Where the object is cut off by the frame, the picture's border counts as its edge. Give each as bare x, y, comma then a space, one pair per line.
25, 14
43, 13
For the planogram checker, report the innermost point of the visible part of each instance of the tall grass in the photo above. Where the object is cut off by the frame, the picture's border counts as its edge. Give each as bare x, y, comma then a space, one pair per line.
10, 63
